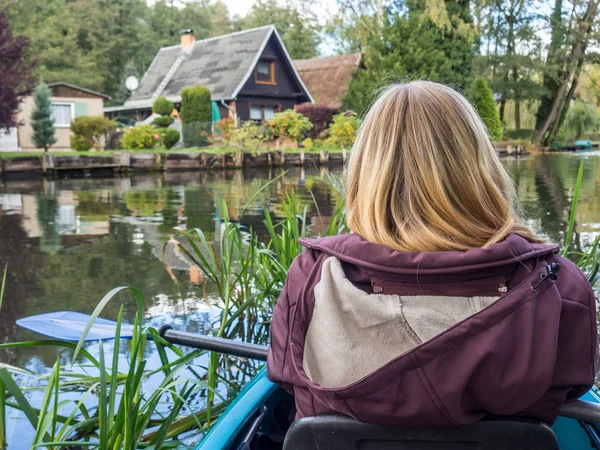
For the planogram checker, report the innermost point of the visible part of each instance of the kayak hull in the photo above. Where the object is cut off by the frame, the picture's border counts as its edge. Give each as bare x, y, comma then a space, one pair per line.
228, 432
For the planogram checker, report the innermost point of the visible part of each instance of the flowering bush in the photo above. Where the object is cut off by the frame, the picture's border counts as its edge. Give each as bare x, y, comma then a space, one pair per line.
290, 124
225, 128
308, 143
140, 137
249, 136
342, 132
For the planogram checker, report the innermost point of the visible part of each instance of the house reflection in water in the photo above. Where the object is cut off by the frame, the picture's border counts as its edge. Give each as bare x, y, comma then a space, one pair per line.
55, 220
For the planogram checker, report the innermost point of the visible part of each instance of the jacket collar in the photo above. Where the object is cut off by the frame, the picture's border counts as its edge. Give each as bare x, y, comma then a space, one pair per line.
355, 250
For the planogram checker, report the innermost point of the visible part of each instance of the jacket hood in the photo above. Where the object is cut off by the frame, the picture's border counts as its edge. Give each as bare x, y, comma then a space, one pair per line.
432, 339
354, 249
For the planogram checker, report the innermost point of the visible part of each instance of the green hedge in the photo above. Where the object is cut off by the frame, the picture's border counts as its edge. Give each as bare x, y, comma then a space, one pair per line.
196, 134
195, 105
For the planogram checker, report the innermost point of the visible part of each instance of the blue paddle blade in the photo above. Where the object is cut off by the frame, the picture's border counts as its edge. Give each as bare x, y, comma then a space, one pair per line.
69, 326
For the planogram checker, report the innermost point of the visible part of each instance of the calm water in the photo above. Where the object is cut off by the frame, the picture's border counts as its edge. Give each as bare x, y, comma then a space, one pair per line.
67, 242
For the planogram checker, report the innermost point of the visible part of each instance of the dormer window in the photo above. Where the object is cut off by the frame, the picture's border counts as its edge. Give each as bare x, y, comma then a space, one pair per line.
265, 72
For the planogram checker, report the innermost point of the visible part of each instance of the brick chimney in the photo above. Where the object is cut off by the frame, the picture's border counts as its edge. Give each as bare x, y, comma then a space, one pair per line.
187, 39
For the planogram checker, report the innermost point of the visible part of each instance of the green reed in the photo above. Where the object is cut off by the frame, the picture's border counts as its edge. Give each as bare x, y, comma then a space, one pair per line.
589, 260
123, 414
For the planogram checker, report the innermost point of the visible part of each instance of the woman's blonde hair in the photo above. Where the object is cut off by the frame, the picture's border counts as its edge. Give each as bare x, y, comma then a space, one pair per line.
423, 175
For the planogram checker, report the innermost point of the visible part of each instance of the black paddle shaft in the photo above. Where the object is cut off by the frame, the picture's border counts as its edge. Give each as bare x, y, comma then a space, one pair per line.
214, 344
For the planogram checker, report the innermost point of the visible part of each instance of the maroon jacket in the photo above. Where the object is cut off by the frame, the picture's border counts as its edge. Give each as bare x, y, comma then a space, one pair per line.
524, 354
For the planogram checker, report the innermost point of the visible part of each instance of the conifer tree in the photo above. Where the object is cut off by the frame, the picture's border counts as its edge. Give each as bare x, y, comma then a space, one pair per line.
41, 118
486, 107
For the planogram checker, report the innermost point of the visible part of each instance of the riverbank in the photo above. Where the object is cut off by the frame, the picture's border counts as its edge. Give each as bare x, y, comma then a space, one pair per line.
48, 164
162, 161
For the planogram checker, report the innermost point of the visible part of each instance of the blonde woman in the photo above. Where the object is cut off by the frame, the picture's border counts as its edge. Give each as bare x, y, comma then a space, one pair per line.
441, 306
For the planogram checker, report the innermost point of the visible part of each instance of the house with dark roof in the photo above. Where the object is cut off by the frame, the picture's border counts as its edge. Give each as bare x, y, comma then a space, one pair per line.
328, 78
249, 73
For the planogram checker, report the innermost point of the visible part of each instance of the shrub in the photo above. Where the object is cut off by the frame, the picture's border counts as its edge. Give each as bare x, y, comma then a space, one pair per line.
87, 131
162, 106
290, 124
249, 136
79, 143
319, 116
342, 132
163, 121
168, 137
196, 134
486, 107
195, 105
225, 127
140, 137
308, 143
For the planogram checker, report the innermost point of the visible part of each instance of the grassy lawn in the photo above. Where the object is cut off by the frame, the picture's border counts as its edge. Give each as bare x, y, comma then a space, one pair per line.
212, 150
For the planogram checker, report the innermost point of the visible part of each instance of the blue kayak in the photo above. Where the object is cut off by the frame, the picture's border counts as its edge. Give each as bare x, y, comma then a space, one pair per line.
261, 416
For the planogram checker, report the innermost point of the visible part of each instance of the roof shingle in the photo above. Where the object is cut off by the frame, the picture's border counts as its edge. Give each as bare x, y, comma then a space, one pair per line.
221, 63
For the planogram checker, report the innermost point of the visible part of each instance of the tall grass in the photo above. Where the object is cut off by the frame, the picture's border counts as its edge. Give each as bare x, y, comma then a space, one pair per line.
115, 410
589, 260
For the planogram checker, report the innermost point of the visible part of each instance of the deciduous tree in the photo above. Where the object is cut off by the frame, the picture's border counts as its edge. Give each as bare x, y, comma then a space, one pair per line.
299, 29
16, 75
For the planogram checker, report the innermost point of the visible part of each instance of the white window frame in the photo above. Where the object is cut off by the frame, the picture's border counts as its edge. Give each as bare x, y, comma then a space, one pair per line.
259, 110
72, 105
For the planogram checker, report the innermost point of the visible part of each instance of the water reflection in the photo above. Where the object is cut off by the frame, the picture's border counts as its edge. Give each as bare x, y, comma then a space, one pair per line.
546, 186
69, 241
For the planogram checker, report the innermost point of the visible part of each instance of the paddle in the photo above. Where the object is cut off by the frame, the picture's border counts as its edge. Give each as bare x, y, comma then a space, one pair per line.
69, 326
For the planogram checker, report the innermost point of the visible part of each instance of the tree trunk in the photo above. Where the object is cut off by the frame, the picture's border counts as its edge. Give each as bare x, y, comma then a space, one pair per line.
550, 79
567, 102
517, 97
547, 130
380, 14
502, 107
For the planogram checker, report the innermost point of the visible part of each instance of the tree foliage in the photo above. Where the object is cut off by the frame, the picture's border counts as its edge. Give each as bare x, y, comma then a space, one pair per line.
510, 53
483, 98
581, 118
41, 118
298, 27
97, 43
15, 73
415, 45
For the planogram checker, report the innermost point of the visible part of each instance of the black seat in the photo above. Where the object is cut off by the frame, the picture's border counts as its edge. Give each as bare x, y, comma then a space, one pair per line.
333, 432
